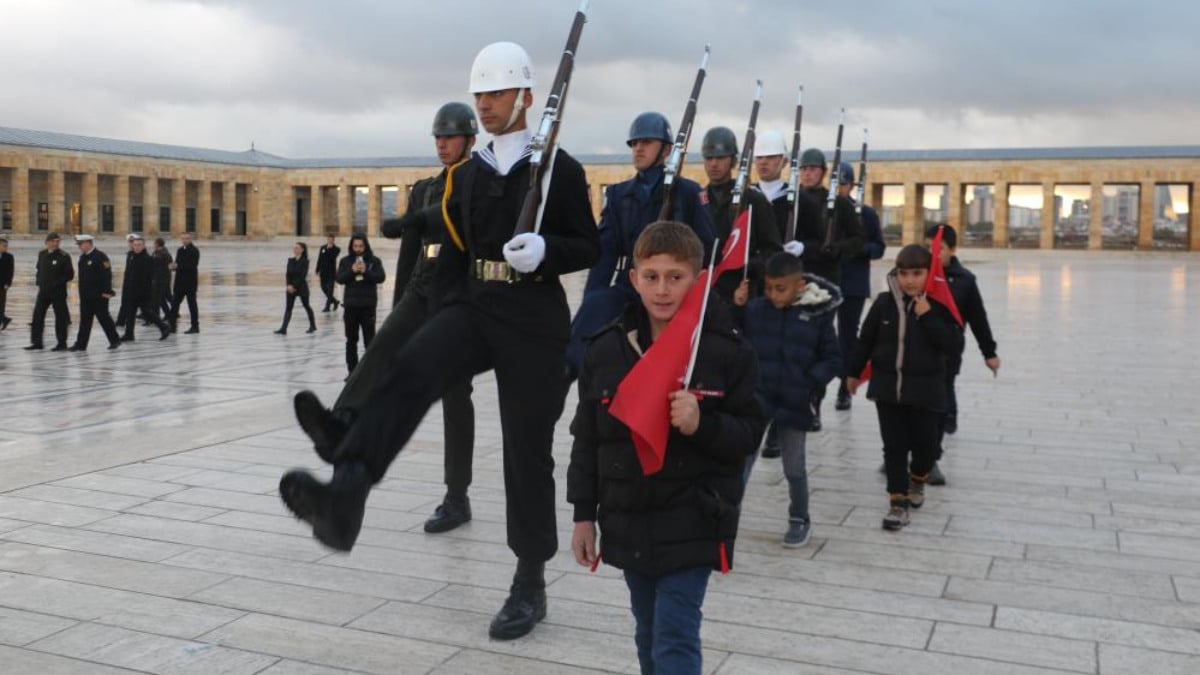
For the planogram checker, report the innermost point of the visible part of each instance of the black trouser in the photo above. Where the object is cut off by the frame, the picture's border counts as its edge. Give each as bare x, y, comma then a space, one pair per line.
951, 411
356, 320
62, 317
177, 301
149, 310
458, 413
291, 301
3, 302
907, 430
327, 289
96, 308
455, 344
164, 304
848, 317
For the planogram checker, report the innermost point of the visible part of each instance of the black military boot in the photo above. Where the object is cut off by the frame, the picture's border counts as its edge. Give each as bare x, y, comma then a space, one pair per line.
325, 427
454, 510
334, 510
526, 603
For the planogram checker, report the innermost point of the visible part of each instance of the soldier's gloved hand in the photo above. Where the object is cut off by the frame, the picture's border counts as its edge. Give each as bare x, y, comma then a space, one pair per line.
525, 252
393, 228
795, 248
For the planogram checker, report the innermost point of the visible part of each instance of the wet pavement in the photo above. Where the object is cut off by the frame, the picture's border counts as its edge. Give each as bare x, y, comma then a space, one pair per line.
141, 531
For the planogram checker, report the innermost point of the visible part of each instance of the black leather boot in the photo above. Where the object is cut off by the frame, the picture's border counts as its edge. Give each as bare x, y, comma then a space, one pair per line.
526, 603
334, 510
453, 511
325, 427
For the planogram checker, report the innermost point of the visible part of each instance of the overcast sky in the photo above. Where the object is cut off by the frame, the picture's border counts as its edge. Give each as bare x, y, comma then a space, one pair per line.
302, 78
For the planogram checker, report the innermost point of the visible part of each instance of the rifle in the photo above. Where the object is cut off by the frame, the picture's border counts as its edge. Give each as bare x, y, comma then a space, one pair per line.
739, 185
831, 202
794, 175
675, 161
862, 174
545, 141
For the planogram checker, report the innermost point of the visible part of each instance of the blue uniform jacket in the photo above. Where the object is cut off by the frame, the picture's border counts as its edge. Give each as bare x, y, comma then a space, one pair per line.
856, 270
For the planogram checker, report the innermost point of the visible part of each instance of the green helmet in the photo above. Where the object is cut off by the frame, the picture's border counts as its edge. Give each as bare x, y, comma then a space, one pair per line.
455, 119
719, 142
812, 157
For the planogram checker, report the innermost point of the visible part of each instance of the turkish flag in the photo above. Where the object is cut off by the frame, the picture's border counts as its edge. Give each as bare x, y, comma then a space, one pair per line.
936, 287
737, 246
642, 400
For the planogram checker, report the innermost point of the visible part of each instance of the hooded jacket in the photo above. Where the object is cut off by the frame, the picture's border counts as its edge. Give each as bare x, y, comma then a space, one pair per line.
361, 289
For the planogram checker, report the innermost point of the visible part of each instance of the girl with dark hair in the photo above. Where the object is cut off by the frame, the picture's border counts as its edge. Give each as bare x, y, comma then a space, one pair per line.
361, 273
297, 287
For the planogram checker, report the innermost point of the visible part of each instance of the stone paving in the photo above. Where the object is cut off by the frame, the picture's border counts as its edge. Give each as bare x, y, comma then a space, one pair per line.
140, 529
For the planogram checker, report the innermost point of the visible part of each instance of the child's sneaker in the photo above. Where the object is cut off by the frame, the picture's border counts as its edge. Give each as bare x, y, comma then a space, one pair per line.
916, 490
897, 515
797, 534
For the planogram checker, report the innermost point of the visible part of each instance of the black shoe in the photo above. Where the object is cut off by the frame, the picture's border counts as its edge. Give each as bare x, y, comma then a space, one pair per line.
114, 344
951, 424
126, 338
60, 347
816, 423
771, 452
33, 347
524, 608
843, 402
281, 331
452, 512
166, 333
77, 348
324, 427
334, 510
192, 331
311, 329
4, 323
936, 477
336, 305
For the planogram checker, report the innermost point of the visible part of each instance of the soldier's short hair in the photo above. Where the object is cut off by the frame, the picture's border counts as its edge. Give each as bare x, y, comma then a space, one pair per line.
667, 237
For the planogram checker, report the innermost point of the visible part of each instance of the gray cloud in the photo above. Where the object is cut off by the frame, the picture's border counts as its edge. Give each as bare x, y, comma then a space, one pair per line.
362, 77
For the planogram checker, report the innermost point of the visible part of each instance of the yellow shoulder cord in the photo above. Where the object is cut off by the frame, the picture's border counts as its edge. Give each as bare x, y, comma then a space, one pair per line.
458, 242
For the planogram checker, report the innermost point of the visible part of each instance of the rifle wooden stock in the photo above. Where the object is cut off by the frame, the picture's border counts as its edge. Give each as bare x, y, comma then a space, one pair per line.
683, 136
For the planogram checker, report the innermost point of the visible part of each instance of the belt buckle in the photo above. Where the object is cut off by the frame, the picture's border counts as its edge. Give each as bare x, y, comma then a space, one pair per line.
494, 270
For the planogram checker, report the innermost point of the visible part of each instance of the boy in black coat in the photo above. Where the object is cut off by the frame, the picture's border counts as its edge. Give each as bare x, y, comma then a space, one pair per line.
669, 530
907, 339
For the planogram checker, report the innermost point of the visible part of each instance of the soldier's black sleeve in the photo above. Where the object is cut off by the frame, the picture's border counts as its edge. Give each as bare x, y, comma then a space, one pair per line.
69, 271
568, 226
850, 230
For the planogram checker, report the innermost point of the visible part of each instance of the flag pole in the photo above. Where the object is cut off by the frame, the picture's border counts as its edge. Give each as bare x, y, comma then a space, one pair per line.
708, 281
749, 229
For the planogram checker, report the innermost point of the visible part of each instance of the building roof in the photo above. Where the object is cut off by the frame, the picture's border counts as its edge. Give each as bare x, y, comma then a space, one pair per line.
254, 158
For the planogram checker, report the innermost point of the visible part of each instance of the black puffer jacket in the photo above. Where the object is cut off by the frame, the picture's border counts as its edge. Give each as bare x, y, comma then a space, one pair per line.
929, 342
361, 289
682, 516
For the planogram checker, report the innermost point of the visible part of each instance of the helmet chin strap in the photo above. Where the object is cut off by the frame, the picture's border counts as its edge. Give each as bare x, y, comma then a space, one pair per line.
517, 108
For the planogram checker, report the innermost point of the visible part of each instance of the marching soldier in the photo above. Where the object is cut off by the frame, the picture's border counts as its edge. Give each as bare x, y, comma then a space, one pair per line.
720, 151
629, 207
770, 156
504, 310
95, 290
137, 290
186, 268
54, 272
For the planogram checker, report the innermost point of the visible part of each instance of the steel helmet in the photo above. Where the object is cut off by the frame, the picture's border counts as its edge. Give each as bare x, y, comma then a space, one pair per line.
500, 66
812, 157
770, 143
455, 119
845, 174
719, 142
650, 125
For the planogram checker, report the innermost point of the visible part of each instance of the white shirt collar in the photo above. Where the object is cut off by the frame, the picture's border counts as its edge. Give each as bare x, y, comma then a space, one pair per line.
772, 188
510, 148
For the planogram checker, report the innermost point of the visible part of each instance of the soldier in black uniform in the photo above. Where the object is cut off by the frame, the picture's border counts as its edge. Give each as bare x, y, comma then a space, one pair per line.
54, 272
770, 157
186, 268
95, 290
720, 151
504, 310
327, 262
7, 268
137, 290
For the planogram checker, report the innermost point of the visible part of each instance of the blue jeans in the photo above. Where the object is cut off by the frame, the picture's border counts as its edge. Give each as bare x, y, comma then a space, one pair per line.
667, 612
792, 443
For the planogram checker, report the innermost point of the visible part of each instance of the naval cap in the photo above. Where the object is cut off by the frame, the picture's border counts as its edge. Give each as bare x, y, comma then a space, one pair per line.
80, 238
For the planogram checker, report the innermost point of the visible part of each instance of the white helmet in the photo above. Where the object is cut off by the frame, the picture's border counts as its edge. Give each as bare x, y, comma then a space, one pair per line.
500, 66
769, 143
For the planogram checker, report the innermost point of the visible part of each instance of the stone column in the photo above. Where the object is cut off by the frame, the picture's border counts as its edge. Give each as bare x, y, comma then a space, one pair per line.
913, 214
345, 209
316, 225
1000, 215
1096, 215
401, 199
178, 205
91, 202
121, 221
374, 209
150, 206
954, 209
228, 207
254, 225
1046, 239
204, 209
58, 200
287, 210
1146, 196
20, 200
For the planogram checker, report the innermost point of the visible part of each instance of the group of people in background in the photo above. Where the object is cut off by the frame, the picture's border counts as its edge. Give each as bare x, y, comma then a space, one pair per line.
146, 292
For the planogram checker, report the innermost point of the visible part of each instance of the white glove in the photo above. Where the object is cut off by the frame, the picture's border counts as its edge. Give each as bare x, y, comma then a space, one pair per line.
525, 252
794, 247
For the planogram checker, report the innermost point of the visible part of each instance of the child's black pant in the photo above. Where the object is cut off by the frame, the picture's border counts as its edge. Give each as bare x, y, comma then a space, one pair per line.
907, 430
